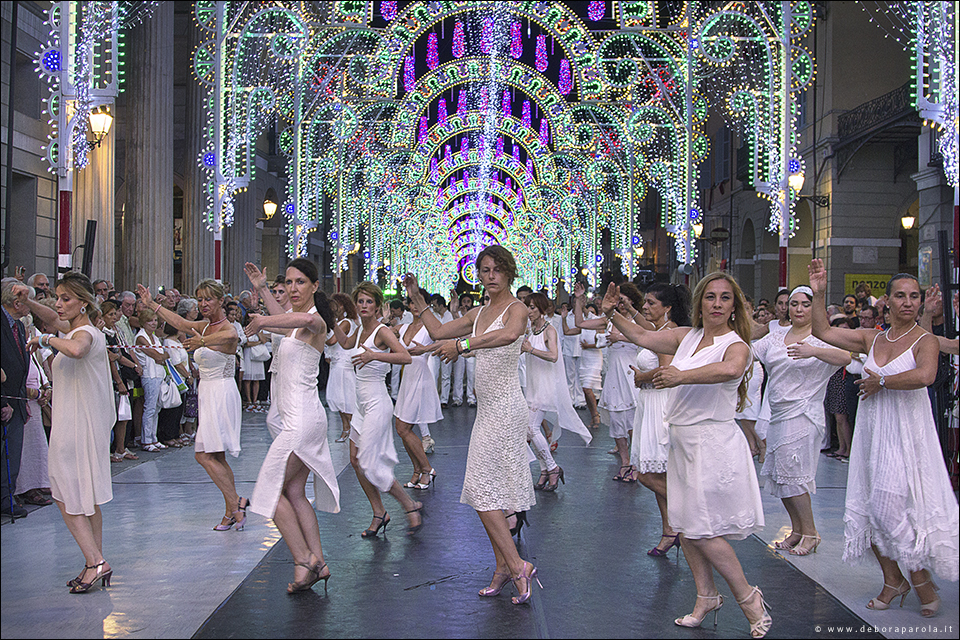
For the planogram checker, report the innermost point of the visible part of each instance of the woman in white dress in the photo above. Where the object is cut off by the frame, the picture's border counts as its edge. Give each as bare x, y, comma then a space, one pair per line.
214, 342
899, 499
301, 446
372, 453
712, 490
665, 307
417, 400
799, 367
253, 371
591, 361
83, 417
497, 479
547, 393
342, 381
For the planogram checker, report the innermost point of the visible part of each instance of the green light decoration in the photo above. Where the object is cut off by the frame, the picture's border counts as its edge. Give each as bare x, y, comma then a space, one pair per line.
328, 77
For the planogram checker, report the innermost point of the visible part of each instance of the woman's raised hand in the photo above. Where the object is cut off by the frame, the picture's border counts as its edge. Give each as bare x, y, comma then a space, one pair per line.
818, 277
579, 290
256, 277
610, 299
145, 296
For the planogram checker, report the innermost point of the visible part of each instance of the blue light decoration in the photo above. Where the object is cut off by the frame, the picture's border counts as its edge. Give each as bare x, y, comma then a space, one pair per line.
51, 61
596, 9
210, 159
566, 82
388, 9
409, 77
459, 46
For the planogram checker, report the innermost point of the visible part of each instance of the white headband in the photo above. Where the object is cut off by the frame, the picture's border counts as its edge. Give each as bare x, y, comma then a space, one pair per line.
801, 289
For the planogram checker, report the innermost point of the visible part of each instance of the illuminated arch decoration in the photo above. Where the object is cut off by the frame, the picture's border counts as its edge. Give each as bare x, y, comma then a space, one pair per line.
542, 143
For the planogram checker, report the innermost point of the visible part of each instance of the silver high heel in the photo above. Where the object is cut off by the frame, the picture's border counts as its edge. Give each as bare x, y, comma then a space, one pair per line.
433, 476
759, 628
692, 621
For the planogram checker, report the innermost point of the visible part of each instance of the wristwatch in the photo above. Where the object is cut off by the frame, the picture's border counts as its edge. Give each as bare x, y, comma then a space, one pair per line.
464, 344
883, 382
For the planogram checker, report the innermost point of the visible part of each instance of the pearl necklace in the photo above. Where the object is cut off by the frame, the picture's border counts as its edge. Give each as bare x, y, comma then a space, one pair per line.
541, 330
886, 334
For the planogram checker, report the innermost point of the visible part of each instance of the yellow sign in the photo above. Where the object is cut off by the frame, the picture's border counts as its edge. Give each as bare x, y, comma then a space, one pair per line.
877, 282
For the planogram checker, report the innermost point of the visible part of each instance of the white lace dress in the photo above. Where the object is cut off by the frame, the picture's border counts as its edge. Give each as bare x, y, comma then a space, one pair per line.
796, 389
304, 433
898, 493
712, 487
372, 427
497, 474
650, 447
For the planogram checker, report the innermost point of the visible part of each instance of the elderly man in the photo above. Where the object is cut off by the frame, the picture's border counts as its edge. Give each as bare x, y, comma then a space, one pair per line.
15, 363
40, 282
127, 325
102, 289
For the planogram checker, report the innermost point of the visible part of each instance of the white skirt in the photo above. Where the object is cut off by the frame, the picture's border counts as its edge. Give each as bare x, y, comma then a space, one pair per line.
793, 451
650, 448
342, 387
712, 487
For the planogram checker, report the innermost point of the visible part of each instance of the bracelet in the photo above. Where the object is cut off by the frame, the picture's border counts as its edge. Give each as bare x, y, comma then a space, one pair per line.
157, 309
423, 311
46, 344
634, 316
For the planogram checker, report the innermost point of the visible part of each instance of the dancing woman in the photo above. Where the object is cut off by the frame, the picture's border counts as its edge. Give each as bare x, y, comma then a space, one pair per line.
301, 446
83, 415
712, 490
665, 307
547, 391
342, 381
214, 342
799, 367
417, 401
899, 499
371, 438
497, 476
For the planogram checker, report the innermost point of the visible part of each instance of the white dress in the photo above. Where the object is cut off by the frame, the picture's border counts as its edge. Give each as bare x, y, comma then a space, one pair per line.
591, 360
83, 416
372, 427
796, 389
763, 417
898, 493
252, 369
618, 400
304, 432
751, 410
342, 381
547, 391
712, 487
418, 401
218, 403
650, 447
498, 473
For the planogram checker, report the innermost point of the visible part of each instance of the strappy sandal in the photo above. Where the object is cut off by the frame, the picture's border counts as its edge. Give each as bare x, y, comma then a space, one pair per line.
625, 477
305, 585
384, 521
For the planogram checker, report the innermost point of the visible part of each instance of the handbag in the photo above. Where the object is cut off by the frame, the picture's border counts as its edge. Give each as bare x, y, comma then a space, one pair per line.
124, 411
259, 353
169, 394
177, 378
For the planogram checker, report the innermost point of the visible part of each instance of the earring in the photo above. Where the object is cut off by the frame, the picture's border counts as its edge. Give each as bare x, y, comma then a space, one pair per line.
83, 309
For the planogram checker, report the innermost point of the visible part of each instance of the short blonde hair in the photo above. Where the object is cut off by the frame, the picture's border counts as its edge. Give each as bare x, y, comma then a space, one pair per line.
210, 286
369, 289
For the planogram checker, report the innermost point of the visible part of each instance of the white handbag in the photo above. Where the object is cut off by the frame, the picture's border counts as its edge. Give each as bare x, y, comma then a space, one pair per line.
169, 394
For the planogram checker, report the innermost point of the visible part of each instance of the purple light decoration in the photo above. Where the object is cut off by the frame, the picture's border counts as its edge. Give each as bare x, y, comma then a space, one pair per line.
388, 9
509, 184
447, 154
596, 10
458, 43
482, 147
516, 40
434, 171
433, 57
465, 149
566, 82
507, 106
525, 114
423, 130
484, 99
486, 35
409, 79
529, 170
542, 62
442, 112
462, 103
516, 152
544, 132
466, 182
499, 147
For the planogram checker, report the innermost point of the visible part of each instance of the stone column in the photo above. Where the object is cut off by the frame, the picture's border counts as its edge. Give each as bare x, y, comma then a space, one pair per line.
240, 240
198, 248
93, 199
148, 217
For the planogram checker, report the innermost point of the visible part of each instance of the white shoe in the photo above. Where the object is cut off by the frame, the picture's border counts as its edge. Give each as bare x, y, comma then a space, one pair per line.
428, 444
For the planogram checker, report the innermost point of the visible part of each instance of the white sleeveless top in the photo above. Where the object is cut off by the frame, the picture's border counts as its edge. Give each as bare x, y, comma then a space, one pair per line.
693, 403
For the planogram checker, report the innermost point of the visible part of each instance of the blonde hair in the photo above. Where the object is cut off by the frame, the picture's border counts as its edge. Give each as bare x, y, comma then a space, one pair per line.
739, 321
369, 289
210, 286
79, 285
145, 316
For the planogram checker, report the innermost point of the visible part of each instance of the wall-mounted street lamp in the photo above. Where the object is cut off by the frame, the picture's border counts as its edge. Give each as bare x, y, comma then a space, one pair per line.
100, 122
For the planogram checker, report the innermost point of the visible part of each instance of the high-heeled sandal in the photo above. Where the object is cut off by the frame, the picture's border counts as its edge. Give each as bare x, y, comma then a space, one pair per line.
307, 583
929, 609
799, 550
521, 517
242, 510
556, 475
783, 545
76, 580
876, 604
384, 521
542, 481
489, 592
414, 529
692, 621
529, 575
413, 484
344, 435
102, 576
431, 476
625, 477
657, 552
226, 524
759, 628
